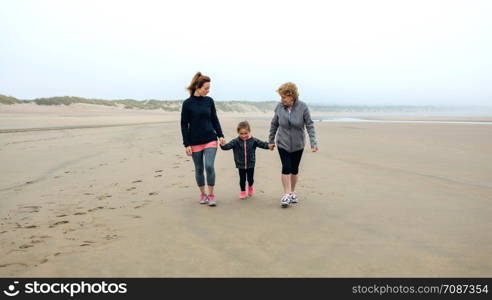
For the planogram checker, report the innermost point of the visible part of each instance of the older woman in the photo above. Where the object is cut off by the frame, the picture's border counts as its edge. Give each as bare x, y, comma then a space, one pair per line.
288, 123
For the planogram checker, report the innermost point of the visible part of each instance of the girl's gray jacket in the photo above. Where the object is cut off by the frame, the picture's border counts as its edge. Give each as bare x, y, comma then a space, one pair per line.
290, 135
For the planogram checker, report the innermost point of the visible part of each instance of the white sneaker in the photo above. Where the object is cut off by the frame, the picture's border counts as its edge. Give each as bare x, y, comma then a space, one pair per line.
293, 198
285, 201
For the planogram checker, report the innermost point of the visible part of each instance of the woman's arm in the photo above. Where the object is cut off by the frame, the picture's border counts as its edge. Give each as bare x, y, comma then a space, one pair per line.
273, 128
308, 122
215, 121
185, 120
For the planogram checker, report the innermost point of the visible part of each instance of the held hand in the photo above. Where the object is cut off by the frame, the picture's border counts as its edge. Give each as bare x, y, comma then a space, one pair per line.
271, 147
188, 151
222, 141
314, 149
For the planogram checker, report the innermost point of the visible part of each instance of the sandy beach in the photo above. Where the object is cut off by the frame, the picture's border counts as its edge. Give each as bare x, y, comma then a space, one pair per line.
114, 195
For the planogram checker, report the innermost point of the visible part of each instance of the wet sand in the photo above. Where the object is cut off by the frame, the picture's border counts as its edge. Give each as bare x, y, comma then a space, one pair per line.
377, 200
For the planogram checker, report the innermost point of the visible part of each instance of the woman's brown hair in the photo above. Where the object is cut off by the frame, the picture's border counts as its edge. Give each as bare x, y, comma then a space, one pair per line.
243, 125
197, 82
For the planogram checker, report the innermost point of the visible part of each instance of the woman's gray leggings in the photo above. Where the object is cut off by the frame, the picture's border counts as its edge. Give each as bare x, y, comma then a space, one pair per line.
198, 158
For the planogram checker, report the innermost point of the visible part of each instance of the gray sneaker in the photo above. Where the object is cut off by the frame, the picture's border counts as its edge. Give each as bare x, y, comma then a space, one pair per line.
285, 201
211, 200
293, 198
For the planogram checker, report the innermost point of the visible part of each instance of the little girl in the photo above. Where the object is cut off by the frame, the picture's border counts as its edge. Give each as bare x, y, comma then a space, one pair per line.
244, 147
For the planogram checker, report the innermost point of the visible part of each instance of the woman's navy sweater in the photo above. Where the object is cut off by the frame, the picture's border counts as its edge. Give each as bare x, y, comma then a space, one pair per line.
199, 122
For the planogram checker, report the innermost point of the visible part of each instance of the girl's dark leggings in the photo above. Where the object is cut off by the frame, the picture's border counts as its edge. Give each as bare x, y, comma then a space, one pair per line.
290, 161
243, 173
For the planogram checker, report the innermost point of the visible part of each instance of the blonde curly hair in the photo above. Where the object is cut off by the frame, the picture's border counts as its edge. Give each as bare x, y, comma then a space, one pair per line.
288, 89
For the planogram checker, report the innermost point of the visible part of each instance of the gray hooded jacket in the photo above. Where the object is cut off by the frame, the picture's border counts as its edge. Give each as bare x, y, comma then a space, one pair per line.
290, 135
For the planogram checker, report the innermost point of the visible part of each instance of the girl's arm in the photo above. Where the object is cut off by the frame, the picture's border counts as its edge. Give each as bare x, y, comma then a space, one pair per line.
261, 144
229, 145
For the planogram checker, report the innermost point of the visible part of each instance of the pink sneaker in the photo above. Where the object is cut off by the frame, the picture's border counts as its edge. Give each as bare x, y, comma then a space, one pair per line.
211, 200
203, 199
242, 195
251, 191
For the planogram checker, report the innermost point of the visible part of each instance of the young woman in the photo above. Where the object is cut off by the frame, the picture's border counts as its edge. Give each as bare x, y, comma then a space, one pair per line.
200, 128
290, 119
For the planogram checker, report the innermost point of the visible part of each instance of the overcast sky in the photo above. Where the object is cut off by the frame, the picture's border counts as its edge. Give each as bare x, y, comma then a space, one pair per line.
338, 52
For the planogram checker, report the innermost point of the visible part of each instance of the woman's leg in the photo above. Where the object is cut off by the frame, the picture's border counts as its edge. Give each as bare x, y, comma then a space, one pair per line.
209, 154
286, 160
198, 161
296, 160
242, 179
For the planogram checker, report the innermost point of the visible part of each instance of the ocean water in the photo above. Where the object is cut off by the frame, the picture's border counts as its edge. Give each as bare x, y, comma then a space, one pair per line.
399, 121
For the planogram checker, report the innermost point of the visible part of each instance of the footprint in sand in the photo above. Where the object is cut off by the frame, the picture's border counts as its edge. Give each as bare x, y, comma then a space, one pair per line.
104, 196
11, 264
158, 171
29, 182
79, 213
60, 216
135, 216
86, 243
58, 223
96, 208
111, 237
132, 188
136, 181
88, 194
31, 209
153, 193
160, 175
67, 172
40, 236
31, 226
25, 246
